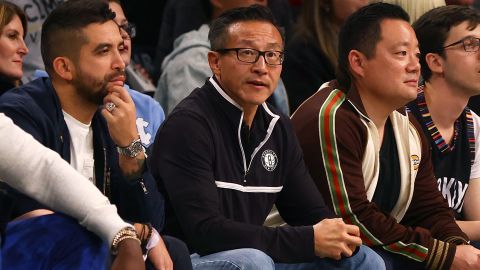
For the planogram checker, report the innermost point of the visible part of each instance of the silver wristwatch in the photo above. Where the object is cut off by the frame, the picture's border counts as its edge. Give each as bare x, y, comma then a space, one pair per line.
131, 150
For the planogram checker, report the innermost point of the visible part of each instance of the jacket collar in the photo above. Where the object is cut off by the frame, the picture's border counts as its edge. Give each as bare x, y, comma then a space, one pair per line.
355, 100
263, 123
233, 109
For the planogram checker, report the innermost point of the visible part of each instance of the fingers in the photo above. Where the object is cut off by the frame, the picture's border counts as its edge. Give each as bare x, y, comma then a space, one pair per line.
120, 103
115, 106
120, 92
346, 251
353, 240
107, 115
352, 230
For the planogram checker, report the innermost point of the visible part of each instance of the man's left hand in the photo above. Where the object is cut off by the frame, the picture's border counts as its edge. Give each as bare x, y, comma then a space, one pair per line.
159, 257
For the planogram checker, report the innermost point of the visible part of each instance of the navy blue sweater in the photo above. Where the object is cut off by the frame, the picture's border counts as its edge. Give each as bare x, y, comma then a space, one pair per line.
35, 108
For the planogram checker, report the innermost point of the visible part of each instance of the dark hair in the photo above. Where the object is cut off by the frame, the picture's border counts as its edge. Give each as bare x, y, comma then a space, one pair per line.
218, 28
62, 30
362, 32
432, 30
8, 11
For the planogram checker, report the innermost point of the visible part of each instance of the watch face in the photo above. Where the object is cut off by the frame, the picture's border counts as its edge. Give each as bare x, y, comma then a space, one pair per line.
132, 150
137, 147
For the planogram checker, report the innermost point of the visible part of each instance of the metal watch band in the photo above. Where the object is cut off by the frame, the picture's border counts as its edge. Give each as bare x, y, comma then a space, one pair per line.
131, 150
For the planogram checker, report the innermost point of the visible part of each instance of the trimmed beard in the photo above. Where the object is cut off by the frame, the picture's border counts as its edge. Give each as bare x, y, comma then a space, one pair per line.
93, 90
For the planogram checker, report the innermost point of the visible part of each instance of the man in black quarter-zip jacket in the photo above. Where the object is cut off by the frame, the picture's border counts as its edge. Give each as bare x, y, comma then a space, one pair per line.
224, 157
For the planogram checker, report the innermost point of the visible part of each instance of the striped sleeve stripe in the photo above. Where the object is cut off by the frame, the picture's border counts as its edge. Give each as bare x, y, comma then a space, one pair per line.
338, 192
438, 255
412, 250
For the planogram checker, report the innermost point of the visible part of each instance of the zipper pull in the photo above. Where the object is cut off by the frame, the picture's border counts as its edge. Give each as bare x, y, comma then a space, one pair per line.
106, 184
145, 191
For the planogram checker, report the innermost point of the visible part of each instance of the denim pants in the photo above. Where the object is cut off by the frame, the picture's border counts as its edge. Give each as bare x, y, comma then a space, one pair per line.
252, 259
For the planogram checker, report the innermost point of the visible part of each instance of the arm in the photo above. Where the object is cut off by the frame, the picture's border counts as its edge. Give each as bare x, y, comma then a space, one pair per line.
44, 175
309, 208
183, 165
123, 130
332, 237
471, 211
471, 228
428, 208
133, 187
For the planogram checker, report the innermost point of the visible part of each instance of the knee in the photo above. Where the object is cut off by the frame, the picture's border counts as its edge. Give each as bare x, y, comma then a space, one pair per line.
255, 259
237, 259
370, 259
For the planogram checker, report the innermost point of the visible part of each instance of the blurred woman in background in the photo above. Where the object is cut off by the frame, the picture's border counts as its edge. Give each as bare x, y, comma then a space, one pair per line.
13, 26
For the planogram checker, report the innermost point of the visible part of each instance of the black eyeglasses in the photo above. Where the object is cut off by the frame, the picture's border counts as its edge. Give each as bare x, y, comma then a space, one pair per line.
470, 44
129, 28
251, 56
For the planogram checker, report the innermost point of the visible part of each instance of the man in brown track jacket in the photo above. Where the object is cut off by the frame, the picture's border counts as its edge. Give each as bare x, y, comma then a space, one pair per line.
370, 159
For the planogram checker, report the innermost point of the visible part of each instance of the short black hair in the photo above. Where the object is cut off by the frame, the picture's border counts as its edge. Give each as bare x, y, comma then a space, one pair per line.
362, 32
432, 30
218, 28
62, 30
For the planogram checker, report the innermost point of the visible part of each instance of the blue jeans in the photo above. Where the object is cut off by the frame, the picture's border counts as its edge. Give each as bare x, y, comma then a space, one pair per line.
252, 259
398, 262
237, 259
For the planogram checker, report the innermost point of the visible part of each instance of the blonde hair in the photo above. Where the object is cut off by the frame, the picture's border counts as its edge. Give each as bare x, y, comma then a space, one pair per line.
316, 23
415, 8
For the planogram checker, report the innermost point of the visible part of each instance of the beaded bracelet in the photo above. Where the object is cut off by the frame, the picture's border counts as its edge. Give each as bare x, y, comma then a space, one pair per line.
144, 239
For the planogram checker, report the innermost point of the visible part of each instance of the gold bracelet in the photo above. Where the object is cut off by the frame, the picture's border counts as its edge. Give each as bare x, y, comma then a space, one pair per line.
125, 233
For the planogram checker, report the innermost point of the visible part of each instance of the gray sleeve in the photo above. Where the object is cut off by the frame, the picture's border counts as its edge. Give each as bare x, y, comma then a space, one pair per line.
183, 73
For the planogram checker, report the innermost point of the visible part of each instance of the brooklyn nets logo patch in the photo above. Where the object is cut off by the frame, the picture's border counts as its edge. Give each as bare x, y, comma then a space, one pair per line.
269, 160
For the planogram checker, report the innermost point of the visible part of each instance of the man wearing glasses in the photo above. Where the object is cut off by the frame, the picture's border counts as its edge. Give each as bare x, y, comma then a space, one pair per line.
224, 157
186, 67
449, 43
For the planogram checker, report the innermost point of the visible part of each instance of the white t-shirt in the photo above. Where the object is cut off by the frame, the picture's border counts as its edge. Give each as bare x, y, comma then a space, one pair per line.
81, 147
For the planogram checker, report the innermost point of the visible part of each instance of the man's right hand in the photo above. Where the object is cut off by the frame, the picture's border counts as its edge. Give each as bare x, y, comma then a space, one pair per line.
334, 238
466, 257
129, 256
